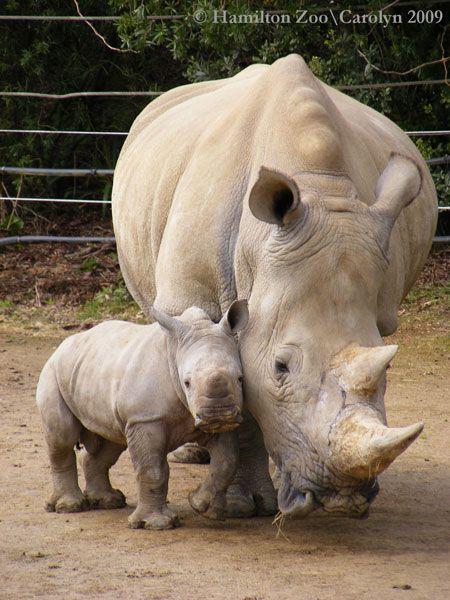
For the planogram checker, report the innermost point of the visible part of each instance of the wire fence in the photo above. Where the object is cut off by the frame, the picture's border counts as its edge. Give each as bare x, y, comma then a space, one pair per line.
154, 93
93, 172
60, 172
125, 133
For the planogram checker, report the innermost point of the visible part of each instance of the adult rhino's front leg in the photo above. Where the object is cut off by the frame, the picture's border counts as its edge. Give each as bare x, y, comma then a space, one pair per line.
252, 491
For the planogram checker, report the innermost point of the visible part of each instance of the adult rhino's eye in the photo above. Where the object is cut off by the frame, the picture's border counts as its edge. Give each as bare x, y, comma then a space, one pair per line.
281, 367
240, 379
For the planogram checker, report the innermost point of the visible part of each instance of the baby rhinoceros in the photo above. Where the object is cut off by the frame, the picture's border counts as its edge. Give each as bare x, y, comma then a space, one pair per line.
151, 388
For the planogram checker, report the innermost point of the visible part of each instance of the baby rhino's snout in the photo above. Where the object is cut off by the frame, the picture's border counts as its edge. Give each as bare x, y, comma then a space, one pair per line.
219, 403
217, 385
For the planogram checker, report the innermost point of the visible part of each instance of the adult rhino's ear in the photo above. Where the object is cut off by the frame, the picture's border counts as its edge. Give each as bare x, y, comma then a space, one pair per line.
236, 317
275, 198
399, 184
172, 326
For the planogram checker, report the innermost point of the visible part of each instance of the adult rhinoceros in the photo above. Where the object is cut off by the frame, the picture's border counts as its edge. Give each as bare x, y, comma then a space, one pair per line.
274, 187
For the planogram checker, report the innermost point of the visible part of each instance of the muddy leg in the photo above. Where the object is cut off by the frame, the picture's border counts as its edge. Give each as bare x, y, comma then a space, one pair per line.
147, 446
209, 498
252, 491
99, 492
61, 430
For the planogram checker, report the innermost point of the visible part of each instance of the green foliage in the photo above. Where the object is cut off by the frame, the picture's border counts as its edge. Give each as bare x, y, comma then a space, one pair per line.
213, 50
62, 57
12, 224
111, 301
89, 264
7, 306
441, 176
429, 294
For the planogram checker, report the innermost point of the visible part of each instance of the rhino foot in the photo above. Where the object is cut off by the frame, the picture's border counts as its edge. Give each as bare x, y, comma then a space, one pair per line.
106, 499
67, 503
190, 454
240, 503
207, 504
243, 503
163, 519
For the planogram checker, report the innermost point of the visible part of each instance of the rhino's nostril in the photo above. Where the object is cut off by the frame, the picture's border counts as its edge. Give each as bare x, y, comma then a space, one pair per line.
371, 491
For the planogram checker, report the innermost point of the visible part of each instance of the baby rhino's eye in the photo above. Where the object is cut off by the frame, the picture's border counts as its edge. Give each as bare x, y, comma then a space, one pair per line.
187, 383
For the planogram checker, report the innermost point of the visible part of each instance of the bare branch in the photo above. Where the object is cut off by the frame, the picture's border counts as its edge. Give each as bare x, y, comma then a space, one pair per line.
442, 60
99, 35
441, 43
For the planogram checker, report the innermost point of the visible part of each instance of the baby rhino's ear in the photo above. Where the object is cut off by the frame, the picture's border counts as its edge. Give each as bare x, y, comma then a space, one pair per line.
236, 317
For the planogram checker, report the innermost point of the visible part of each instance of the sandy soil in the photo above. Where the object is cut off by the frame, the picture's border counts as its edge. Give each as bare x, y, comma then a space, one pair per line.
401, 551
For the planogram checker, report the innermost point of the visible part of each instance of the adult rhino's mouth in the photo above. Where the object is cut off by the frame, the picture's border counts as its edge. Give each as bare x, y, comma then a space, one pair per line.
354, 502
292, 501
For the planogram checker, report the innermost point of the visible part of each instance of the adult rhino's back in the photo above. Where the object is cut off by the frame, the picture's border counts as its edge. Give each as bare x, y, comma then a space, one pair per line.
185, 171
153, 164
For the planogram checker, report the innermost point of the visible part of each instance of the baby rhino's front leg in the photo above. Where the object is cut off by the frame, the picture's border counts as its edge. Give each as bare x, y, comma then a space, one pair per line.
209, 499
147, 446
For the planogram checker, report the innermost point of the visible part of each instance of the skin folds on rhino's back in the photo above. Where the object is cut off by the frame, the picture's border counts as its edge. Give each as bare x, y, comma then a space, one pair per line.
185, 171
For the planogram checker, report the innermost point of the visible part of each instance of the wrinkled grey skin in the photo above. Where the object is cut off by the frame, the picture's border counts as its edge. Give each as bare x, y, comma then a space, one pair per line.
151, 388
275, 187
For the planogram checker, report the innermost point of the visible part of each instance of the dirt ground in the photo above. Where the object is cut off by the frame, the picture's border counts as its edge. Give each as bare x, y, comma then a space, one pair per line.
402, 550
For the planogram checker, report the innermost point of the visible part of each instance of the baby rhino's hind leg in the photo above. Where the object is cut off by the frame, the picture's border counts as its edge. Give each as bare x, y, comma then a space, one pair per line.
61, 430
96, 460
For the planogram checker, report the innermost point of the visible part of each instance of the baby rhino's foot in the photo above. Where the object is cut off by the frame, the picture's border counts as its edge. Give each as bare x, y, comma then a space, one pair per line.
208, 504
67, 503
105, 499
162, 519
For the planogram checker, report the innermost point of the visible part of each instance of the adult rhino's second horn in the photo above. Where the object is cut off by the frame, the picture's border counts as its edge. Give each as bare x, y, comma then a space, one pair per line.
360, 369
361, 446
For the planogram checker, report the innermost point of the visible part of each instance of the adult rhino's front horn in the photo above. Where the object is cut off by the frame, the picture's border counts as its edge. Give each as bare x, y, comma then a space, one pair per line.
361, 445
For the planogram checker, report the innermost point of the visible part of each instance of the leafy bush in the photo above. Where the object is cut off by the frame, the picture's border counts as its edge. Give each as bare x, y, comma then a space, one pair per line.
213, 50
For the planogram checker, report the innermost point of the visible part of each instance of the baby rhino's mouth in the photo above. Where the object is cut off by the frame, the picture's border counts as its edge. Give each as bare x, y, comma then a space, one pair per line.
217, 419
